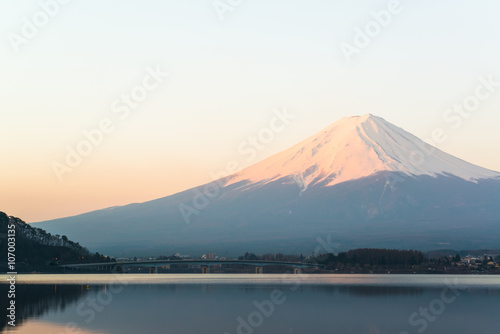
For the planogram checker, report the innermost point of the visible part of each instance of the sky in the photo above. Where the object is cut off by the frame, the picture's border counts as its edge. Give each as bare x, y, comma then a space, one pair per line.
159, 96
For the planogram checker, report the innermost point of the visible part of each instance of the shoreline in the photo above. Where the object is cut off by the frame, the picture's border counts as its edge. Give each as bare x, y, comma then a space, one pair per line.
413, 280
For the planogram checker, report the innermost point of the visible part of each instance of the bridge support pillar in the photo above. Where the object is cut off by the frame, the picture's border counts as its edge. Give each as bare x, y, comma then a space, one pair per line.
259, 270
153, 270
205, 270
297, 271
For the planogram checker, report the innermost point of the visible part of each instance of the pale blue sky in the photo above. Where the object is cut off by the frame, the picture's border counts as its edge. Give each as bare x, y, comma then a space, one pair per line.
225, 79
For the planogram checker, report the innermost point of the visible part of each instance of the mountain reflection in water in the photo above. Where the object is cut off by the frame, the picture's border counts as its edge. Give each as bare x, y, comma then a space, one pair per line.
33, 301
220, 308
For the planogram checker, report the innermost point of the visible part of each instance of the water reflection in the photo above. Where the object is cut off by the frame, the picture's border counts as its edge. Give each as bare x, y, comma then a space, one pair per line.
374, 291
264, 309
41, 327
35, 300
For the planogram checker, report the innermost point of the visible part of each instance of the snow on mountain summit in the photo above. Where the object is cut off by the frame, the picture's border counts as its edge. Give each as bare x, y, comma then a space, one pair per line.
356, 147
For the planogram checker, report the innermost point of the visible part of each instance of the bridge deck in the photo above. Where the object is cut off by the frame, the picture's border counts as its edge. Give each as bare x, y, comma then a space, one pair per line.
159, 263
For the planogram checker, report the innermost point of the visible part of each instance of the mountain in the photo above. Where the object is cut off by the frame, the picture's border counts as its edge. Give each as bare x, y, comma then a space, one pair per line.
357, 147
36, 249
361, 182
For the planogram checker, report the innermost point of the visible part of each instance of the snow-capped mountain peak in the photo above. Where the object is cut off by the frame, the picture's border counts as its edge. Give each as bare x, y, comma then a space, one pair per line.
356, 147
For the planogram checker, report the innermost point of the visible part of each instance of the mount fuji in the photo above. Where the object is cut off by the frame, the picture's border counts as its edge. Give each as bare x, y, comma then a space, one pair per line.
360, 182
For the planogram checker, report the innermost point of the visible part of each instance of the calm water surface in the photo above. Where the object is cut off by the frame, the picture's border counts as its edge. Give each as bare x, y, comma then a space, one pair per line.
316, 304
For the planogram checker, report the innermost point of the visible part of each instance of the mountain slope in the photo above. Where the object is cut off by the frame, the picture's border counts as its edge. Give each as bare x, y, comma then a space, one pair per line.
362, 182
357, 147
35, 248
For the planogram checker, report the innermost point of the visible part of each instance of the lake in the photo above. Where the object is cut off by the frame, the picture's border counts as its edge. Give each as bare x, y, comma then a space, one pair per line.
240, 303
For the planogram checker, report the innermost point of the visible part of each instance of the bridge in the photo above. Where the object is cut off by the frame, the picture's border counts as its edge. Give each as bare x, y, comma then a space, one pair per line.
205, 265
